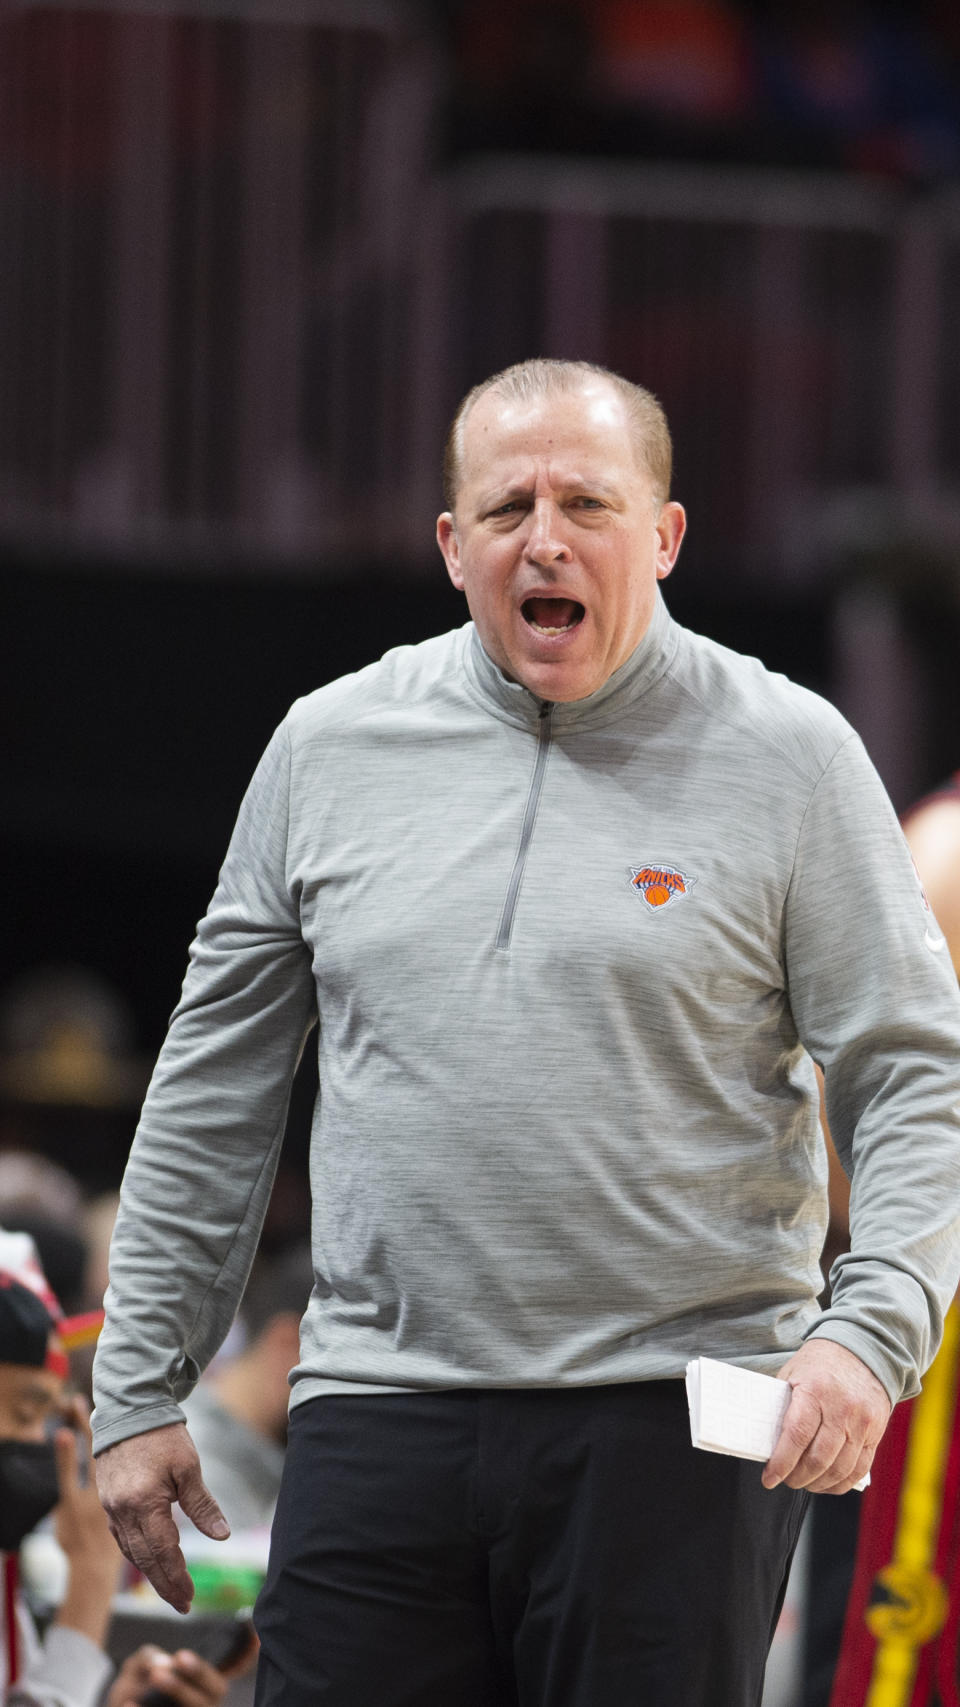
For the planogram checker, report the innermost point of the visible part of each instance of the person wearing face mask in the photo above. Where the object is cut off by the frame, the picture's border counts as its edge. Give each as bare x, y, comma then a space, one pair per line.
39, 1474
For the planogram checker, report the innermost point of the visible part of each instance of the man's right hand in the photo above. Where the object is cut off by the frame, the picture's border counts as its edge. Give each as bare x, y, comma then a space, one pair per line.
138, 1481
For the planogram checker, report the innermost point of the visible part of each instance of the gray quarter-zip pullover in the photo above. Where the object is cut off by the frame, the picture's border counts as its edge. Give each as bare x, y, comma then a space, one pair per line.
570, 964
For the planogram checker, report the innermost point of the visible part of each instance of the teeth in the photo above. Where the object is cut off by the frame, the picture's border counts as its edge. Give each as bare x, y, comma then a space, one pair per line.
564, 629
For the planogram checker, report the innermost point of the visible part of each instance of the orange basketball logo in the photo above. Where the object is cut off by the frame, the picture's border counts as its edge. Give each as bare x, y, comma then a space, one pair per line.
660, 885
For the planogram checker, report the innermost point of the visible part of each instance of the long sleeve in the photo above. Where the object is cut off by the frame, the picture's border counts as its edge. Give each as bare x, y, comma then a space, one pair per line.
875, 1000
470, 1228
204, 1157
67, 1670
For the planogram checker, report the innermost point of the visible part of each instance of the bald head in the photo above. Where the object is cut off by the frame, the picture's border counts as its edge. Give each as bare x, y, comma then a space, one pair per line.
528, 381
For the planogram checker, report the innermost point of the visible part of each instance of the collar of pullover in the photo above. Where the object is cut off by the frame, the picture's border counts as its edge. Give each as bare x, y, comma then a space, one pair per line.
518, 705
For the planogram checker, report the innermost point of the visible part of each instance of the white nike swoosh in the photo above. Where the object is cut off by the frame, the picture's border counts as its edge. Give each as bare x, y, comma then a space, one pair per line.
934, 943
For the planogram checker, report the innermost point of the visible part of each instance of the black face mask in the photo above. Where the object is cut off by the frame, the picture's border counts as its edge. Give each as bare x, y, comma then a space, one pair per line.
28, 1488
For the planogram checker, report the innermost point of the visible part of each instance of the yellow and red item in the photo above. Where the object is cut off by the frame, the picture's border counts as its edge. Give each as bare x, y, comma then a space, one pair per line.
900, 1639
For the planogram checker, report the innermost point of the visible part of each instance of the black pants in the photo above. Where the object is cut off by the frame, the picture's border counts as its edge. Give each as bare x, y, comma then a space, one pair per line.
519, 1549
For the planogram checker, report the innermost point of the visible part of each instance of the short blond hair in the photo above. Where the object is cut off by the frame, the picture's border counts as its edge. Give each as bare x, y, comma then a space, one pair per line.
542, 375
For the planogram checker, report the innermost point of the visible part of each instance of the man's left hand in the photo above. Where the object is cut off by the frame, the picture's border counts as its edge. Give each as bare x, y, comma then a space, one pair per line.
833, 1423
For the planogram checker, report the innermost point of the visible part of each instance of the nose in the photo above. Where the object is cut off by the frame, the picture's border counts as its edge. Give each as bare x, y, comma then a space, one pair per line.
545, 543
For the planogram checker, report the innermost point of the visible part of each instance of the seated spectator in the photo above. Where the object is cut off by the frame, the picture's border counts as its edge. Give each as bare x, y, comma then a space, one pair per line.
39, 1475
39, 1197
237, 1416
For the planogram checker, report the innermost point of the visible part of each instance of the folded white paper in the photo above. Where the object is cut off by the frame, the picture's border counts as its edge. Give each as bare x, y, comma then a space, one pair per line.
736, 1411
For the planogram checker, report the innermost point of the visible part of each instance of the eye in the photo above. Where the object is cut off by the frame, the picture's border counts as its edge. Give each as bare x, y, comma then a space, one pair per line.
508, 508
589, 503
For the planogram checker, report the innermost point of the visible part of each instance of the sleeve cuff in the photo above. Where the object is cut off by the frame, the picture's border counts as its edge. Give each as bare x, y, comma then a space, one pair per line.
70, 1671
121, 1427
864, 1346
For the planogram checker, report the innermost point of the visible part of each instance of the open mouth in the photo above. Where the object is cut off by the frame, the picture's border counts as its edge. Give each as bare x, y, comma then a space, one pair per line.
552, 616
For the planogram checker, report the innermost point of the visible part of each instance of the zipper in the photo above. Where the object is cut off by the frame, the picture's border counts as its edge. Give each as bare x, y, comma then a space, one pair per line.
505, 929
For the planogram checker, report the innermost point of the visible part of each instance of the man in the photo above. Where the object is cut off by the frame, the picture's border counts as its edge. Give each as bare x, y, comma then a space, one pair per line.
570, 890
40, 1433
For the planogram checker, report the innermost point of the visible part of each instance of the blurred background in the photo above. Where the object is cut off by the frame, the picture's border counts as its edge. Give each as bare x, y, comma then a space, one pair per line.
252, 252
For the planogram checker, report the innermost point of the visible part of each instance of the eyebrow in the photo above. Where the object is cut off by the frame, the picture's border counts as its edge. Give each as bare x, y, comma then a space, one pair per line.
503, 495
524, 489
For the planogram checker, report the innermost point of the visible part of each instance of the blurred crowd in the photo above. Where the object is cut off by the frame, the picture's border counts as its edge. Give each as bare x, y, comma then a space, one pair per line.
73, 1612
72, 1078
866, 85
871, 87
70, 1086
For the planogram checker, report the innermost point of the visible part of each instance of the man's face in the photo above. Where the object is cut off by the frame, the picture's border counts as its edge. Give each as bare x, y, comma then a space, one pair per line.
556, 538
29, 1400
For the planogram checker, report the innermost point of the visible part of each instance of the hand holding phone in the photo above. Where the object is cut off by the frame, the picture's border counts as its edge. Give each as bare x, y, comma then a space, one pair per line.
229, 1655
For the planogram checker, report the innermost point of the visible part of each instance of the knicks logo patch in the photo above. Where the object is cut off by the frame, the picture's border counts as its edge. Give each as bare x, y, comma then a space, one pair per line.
660, 885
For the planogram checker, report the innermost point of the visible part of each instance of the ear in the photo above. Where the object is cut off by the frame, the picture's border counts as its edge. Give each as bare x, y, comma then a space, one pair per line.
671, 527
450, 547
